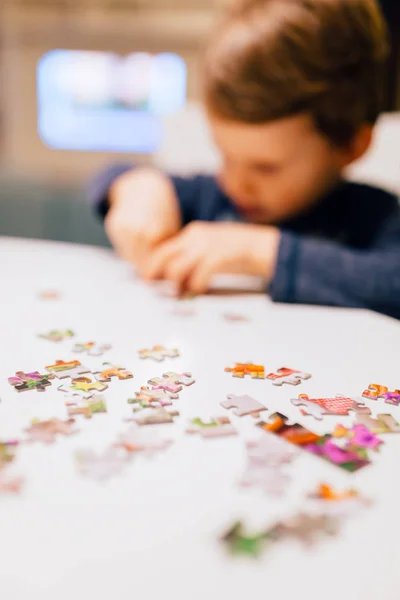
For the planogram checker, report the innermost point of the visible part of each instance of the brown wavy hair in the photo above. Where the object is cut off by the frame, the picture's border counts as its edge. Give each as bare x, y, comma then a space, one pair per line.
271, 59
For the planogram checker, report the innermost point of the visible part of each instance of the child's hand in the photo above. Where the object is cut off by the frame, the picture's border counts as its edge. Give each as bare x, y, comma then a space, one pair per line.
202, 250
143, 212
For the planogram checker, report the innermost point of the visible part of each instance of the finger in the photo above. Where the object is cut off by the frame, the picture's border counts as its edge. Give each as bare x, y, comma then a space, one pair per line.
199, 281
155, 265
180, 268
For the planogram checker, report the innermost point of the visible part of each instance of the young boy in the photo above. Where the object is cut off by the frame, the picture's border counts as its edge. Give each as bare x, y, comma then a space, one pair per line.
292, 91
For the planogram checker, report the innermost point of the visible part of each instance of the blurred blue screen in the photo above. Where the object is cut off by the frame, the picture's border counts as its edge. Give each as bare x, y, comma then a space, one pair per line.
106, 102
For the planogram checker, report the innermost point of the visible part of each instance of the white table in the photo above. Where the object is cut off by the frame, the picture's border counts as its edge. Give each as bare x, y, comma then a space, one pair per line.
153, 532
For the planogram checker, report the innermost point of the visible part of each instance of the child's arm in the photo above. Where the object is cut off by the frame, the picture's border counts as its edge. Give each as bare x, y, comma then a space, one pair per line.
315, 271
142, 207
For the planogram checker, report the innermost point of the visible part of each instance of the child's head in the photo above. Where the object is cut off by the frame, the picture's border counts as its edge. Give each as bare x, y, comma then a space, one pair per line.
293, 89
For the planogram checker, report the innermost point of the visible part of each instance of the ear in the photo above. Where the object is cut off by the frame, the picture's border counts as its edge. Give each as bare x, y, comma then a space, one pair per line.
359, 145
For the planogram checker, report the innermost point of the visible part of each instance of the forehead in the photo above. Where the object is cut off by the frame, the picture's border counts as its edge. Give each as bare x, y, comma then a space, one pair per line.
276, 140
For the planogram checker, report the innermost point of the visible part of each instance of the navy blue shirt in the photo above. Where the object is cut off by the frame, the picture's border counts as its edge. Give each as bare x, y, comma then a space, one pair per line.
343, 251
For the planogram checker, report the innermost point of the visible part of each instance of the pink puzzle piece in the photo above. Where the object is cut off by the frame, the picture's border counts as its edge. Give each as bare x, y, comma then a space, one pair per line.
10, 485
340, 405
171, 381
102, 466
270, 451
376, 391
46, 431
289, 376
243, 405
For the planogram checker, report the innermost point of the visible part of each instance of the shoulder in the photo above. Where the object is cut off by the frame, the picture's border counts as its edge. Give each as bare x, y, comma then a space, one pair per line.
368, 197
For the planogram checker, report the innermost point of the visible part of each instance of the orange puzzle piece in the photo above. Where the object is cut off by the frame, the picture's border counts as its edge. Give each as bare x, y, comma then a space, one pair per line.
242, 369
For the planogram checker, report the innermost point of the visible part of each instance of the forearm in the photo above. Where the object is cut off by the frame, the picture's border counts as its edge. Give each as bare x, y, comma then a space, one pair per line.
313, 271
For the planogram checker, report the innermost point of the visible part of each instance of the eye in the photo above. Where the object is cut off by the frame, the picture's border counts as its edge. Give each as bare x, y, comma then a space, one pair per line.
266, 169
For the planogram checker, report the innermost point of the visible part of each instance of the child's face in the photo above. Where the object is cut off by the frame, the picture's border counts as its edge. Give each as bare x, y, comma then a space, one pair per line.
276, 170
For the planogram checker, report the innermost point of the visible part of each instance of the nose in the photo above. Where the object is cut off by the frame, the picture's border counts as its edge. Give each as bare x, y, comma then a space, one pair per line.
238, 185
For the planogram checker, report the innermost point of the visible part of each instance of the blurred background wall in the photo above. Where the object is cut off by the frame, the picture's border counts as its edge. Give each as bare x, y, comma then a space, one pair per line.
125, 87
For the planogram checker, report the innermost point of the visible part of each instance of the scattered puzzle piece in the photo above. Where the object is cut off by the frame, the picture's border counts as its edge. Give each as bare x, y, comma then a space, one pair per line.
72, 369
356, 438
376, 391
271, 480
338, 503
384, 423
154, 416
159, 353
235, 317
112, 371
102, 466
326, 446
92, 348
289, 376
148, 397
10, 485
30, 381
270, 451
57, 335
242, 369
171, 381
84, 385
135, 439
340, 405
239, 542
7, 452
217, 427
89, 407
49, 295
307, 529
243, 405
46, 431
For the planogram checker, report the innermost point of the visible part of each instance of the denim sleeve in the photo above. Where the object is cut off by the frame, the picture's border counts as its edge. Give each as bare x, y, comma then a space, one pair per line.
200, 198
315, 271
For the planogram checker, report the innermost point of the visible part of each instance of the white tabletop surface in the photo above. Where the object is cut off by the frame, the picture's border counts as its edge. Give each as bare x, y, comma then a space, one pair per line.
153, 532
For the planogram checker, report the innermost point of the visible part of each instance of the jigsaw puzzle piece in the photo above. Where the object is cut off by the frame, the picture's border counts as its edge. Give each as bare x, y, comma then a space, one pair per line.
326, 446
270, 451
340, 405
376, 391
159, 353
150, 396
84, 386
384, 423
7, 452
28, 381
270, 480
92, 348
110, 371
10, 485
46, 431
240, 542
217, 427
171, 381
89, 407
57, 335
243, 405
138, 440
154, 416
288, 376
72, 369
242, 369
102, 466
